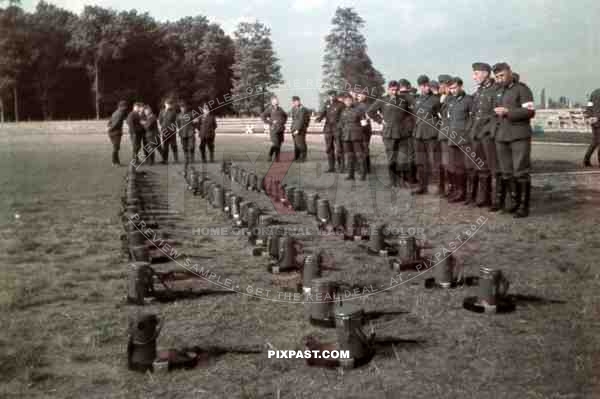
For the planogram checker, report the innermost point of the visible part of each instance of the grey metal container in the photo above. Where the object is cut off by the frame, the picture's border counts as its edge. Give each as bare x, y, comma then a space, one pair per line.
323, 299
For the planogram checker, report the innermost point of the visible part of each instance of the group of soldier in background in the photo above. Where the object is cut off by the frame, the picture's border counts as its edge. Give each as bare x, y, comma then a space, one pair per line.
479, 145
154, 133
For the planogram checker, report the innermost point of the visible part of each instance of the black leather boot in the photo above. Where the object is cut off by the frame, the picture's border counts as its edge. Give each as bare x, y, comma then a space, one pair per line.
515, 196
500, 198
484, 193
525, 191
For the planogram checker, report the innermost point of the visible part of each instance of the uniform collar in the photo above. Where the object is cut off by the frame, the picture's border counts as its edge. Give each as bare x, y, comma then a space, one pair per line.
488, 83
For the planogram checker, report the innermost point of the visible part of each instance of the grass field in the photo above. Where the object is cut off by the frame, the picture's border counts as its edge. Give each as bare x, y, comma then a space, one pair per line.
63, 284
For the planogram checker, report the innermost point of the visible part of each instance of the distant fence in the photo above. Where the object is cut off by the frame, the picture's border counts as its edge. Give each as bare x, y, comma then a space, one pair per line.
567, 121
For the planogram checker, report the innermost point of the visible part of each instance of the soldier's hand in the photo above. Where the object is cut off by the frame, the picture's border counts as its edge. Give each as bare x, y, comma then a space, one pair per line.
593, 120
501, 111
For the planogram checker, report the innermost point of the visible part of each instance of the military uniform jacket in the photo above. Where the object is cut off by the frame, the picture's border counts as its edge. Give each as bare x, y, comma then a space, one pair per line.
208, 126
443, 122
350, 126
331, 111
518, 99
459, 118
134, 123
151, 125
410, 121
275, 118
427, 109
393, 113
485, 122
593, 108
185, 124
115, 123
367, 128
300, 119
168, 121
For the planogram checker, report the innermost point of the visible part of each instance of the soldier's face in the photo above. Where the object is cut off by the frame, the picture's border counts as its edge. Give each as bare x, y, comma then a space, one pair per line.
480, 76
392, 91
348, 101
168, 105
455, 89
443, 88
361, 97
424, 89
503, 77
147, 112
295, 103
274, 102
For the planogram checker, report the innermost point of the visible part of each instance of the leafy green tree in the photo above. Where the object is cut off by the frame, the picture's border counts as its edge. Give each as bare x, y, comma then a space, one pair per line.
256, 68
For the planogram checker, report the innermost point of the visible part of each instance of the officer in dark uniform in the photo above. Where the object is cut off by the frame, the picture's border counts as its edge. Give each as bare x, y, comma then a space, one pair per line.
363, 105
331, 111
406, 89
275, 117
392, 110
515, 109
115, 130
482, 135
300, 121
426, 110
206, 133
186, 126
351, 125
167, 123
443, 131
151, 135
434, 86
459, 120
136, 131
592, 111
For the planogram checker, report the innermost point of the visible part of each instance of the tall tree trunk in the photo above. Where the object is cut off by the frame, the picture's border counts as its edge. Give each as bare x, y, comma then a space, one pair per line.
16, 102
97, 87
1, 110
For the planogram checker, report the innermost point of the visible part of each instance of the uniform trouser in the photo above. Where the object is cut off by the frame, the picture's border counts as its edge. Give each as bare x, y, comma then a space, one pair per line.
366, 148
115, 140
300, 146
136, 144
428, 155
276, 142
594, 144
210, 143
444, 154
151, 145
397, 153
339, 148
457, 159
188, 144
485, 159
514, 158
355, 156
169, 142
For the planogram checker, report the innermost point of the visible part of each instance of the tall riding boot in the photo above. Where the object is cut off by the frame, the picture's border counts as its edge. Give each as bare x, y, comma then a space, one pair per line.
368, 163
484, 193
342, 166
277, 151
500, 197
422, 178
392, 174
212, 155
515, 195
271, 152
525, 191
331, 162
442, 182
472, 190
588, 155
351, 165
468, 187
460, 189
296, 153
451, 185
363, 169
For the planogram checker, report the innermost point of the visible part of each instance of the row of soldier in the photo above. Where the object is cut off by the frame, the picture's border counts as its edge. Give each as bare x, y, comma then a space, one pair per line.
154, 133
479, 145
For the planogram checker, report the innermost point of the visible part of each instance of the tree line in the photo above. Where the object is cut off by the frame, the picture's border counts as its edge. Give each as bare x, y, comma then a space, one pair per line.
55, 64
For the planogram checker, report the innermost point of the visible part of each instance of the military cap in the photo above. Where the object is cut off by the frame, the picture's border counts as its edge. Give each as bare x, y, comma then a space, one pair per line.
422, 80
444, 79
482, 66
456, 80
122, 104
404, 83
500, 66
434, 83
393, 83
347, 95
295, 98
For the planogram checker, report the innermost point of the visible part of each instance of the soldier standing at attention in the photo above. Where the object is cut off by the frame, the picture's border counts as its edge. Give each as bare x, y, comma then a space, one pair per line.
167, 123
208, 125
353, 136
275, 117
392, 110
115, 131
592, 112
363, 105
136, 131
151, 135
406, 90
300, 121
514, 109
186, 129
482, 135
445, 173
426, 110
331, 111
459, 118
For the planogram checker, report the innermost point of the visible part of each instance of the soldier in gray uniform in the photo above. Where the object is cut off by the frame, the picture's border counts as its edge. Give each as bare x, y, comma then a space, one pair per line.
406, 89
353, 133
167, 123
363, 105
426, 110
136, 130
186, 128
482, 136
392, 110
275, 117
115, 130
515, 109
592, 111
300, 121
443, 131
459, 118
206, 133
331, 111
151, 136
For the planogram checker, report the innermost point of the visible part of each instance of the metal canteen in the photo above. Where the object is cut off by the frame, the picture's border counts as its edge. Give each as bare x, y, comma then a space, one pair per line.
338, 220
493, 285
311, 203
218, 197
448, 272
323, 295
323, 211
349, 319
298, 200
311, 271
377, 240
141, 348
227, 202
407, 248
139, 282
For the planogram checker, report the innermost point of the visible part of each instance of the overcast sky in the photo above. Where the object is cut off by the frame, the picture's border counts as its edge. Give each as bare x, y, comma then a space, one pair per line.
551, 43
